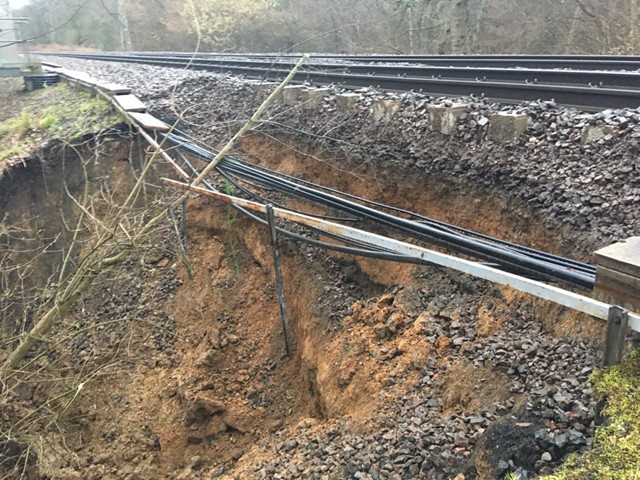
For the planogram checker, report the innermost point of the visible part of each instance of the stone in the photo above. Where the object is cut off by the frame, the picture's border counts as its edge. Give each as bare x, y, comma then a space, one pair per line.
383, 110
561, 440
444, 119
209, 358
291, 94
312, 98
202, 408
347, 101
477, 421
258, 88
507, 127
546, 457
196, 462
593, 133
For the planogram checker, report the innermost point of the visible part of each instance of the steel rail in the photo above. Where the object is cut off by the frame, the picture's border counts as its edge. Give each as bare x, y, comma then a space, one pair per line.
456, 242
574, 62
592, 78
366, 56
584, 97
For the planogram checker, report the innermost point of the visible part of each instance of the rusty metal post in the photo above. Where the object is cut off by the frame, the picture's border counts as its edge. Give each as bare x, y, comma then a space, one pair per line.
276, 264
616, 332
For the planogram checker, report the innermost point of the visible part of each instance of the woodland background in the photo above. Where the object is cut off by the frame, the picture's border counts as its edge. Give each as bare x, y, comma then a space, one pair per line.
340, 26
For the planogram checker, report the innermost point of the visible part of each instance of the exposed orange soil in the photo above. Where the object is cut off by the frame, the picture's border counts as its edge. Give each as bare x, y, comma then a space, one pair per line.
203, 409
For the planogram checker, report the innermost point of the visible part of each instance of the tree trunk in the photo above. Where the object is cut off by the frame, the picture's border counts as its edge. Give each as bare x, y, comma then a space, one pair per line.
568, 47
633, 30
411, 15
125, 34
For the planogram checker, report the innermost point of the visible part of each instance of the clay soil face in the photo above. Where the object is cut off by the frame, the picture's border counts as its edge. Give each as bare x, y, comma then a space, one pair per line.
231, 384
484, 210
209, 391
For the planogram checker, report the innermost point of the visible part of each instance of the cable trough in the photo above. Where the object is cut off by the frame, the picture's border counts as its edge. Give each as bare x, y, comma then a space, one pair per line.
504, 255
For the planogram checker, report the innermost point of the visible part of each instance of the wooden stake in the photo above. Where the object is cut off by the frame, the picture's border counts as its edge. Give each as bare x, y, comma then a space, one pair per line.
276, 263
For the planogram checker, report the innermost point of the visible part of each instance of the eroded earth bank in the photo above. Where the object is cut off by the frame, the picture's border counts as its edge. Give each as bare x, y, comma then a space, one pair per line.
398, 371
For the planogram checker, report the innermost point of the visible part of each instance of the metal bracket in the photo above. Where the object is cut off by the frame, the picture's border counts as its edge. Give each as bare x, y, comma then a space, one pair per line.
616, 332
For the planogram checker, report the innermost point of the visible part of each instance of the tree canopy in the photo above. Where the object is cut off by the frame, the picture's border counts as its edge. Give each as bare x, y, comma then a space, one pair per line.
349, 26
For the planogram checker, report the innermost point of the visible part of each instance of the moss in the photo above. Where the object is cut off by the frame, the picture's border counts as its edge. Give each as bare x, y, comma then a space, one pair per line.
616, 446
56, 112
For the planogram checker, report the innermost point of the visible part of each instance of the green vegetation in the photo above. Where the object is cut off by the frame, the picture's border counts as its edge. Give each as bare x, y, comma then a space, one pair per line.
49, 122
616, 447
229, 189
232, 215
57, 112
13, 151
18, 126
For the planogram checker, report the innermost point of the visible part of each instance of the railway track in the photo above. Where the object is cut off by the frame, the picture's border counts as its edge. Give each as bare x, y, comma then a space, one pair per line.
576, 62
591, 78
589, 90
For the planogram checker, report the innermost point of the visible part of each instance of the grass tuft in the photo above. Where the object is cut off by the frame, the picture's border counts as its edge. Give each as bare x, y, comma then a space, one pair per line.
616, 446
49, 122
13, 151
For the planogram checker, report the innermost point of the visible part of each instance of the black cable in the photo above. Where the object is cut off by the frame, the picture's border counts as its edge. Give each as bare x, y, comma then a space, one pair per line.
375, 253
446, 239
570, 263
263, 200
338, 248
456, 242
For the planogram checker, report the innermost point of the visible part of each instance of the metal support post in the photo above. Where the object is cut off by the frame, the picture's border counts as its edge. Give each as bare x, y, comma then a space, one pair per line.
276, 263
616, 331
